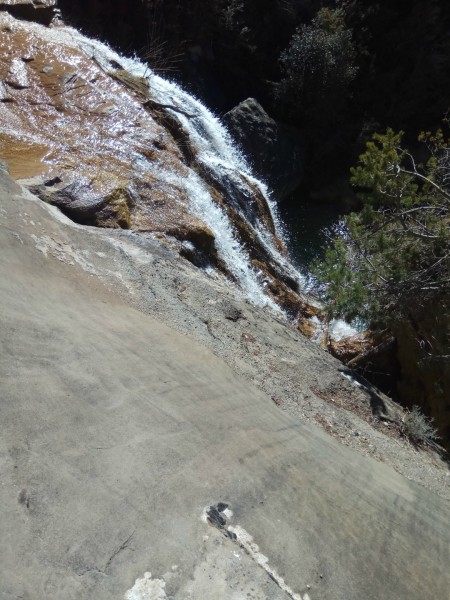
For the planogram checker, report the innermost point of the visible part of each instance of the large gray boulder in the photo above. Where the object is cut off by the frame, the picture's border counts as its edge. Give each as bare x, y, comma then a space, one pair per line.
275, 151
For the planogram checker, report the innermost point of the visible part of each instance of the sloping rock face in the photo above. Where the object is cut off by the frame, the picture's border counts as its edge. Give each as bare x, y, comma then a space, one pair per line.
92, 138
137, 465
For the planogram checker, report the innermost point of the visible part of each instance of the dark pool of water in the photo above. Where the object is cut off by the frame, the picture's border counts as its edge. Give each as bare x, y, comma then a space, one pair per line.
304, 224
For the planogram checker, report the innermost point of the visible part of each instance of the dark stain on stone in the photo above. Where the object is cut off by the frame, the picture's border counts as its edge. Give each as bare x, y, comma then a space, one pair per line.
231, 313
15, 85
53, 181
24, 499
215, 516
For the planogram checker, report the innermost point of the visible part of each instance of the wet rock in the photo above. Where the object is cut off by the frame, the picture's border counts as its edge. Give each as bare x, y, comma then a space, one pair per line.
61, 127
196, 232
244, 201
275, 150
194, 255
81, 203
4, 96
76, 200
279, 288
307, 327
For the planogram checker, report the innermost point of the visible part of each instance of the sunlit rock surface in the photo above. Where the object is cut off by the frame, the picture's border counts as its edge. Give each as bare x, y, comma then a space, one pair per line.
66, 119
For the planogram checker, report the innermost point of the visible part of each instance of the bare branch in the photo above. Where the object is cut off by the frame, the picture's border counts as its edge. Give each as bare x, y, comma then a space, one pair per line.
427, 180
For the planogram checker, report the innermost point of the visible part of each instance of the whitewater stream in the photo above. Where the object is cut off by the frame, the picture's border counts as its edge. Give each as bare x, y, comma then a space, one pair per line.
218, 154
117, 137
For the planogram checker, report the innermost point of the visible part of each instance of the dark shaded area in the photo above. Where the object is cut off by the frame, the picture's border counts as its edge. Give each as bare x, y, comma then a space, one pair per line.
306, 225
122, 24
76, 200
226, 51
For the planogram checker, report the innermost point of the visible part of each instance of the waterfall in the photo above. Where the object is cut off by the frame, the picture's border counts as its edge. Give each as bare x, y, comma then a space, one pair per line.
216, 157
219, 155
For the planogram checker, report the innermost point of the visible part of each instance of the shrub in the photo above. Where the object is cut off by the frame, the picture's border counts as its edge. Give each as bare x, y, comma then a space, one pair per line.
391, 259
318, 66
418, 427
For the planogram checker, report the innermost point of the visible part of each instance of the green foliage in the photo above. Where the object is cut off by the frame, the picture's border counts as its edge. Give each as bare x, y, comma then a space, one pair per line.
392, 257
318, 66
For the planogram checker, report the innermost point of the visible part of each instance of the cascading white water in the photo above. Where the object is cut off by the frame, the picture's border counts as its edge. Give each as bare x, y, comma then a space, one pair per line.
218, 153
231, 252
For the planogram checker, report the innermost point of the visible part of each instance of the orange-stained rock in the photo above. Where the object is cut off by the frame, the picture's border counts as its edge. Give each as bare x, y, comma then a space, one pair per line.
350, 347
295, 306
373, 354
65, 119
307, 327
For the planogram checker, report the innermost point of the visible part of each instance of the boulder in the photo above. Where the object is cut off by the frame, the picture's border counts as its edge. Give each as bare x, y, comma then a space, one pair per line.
41, 11
76, 200
275, 151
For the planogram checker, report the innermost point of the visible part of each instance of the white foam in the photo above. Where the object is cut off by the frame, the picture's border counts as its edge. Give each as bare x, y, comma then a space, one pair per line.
339, 330
147, 588
245, 540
